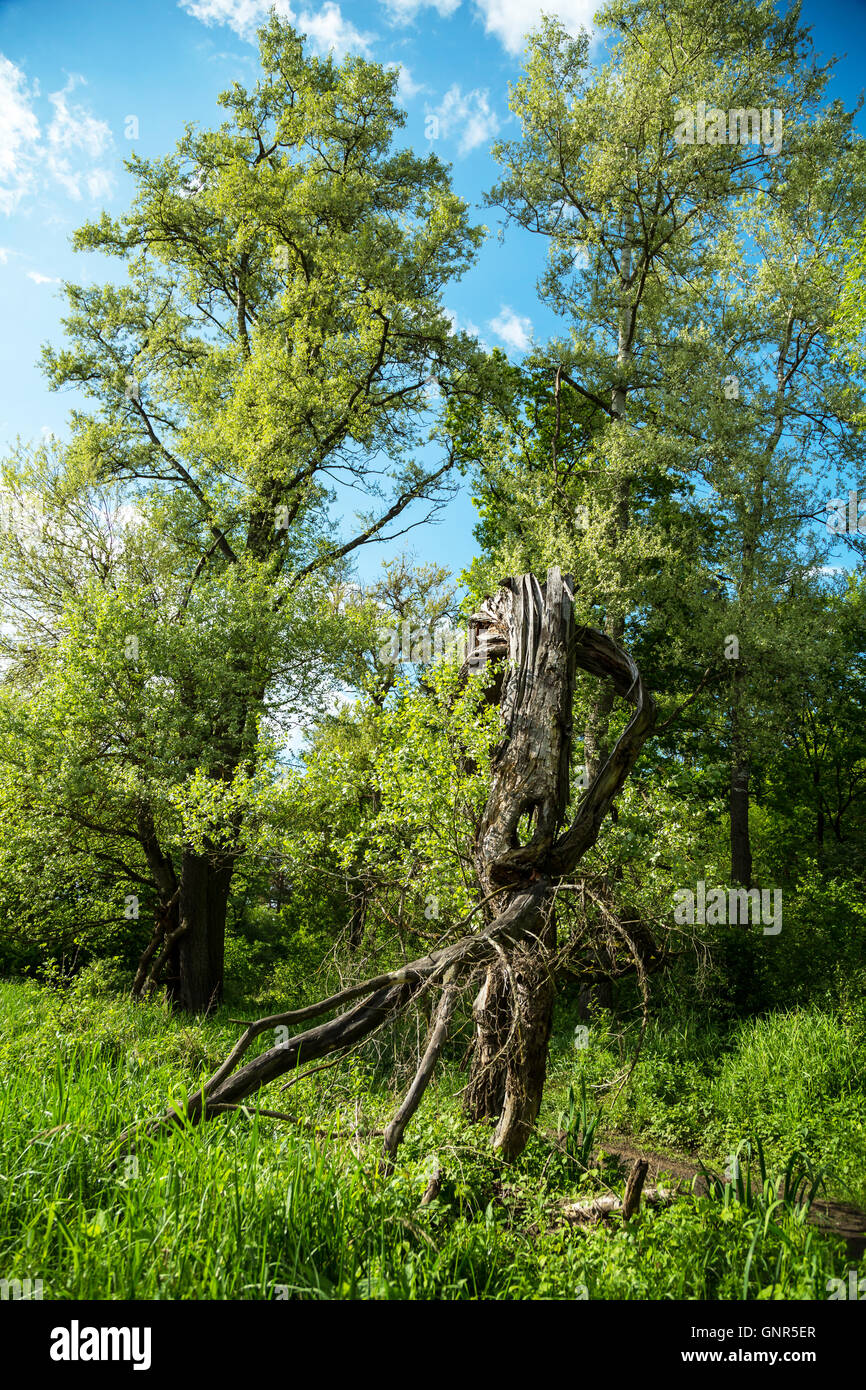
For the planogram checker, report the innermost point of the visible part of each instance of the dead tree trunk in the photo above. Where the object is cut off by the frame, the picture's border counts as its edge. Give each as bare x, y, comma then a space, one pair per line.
521, 853
528, 798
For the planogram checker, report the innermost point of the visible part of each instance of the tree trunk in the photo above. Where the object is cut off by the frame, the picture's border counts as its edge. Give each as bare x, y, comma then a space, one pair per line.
533, 992
741, 844
196, 981
165, 912
357, 919
819, 809
513, 1020
485, 1093
529, 795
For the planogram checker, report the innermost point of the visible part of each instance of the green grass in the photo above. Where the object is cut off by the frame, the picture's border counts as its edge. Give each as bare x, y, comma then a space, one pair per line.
254, 1209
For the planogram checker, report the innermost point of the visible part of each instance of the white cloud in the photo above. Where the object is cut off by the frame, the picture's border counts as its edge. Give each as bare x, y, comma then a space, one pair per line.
407, 88
19, 134
458, 326
404, 11
73, 139
244, 16
326, 27
328, 30
466, 115
39, 279
507, 20
5, 253
62, 172
511, 20
512, 329
73, 127
100, 183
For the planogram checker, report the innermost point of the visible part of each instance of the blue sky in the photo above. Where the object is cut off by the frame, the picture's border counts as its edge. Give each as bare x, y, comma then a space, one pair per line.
84, 82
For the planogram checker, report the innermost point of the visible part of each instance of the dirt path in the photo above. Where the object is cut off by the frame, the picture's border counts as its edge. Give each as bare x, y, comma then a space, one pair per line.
839, 1217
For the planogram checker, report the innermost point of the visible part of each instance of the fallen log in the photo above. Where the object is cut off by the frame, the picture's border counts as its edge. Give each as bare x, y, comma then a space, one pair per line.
836, 1218
608, 1205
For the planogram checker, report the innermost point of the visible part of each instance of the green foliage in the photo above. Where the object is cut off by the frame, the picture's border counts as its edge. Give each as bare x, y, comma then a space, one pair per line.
182, 603
791, 1079
793, 1190
577, 1127
385, 805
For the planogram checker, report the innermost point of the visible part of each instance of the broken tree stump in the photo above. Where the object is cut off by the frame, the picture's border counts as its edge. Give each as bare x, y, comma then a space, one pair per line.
523, 849
633, 1188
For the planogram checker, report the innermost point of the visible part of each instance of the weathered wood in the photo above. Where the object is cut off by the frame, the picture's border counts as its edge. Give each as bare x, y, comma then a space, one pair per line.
530, 767
529, 797
433, 1188
435, 1042
840, 1218
600, 656
601, 1207
633, 1188
530, 788
529, 791
385, 996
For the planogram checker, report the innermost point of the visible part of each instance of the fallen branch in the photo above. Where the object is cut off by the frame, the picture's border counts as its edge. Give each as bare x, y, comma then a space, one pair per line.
347, 1029
601, 1207
433, 1188
436, 1039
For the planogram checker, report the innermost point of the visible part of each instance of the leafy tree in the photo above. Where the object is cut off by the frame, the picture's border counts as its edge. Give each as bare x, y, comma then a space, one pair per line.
269, 355
671, 447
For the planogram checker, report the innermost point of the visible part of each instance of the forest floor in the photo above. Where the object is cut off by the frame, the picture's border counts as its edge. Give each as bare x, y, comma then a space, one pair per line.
840, 1218
248, 1208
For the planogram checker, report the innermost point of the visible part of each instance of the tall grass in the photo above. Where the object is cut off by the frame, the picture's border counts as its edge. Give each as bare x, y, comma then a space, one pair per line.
246, 1208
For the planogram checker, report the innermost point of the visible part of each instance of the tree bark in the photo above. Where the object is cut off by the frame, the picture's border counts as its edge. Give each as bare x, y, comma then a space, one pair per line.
529, 795
165, 912
741, 844
513, 1020
534, 995
195, 984
485, 1093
